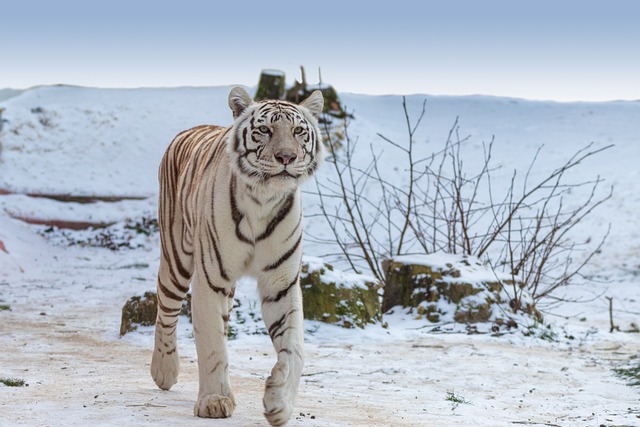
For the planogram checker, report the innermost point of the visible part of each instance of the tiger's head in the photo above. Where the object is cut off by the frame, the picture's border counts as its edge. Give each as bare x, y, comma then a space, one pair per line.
275, 144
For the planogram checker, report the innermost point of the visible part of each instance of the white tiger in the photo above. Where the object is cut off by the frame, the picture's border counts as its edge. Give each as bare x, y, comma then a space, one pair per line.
230, 206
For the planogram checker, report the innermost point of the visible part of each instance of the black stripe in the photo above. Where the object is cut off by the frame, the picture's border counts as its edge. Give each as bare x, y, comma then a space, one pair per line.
218, 289
176, 314
236, 215
275, 326
223, 272
295, 228
213, 234
167, 311
217, 151
174, 282
183, 272
281, 333
282, 293
251, 173
284, 257
252, 197
170, 325
167, 293
280, 216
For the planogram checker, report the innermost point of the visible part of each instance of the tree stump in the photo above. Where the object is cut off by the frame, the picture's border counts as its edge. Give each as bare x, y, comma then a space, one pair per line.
271, 85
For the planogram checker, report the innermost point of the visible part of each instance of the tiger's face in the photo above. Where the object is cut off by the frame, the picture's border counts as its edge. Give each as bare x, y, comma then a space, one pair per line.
275, 144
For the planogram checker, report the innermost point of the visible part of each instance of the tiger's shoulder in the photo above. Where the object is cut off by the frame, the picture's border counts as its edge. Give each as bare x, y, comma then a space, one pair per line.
195, 145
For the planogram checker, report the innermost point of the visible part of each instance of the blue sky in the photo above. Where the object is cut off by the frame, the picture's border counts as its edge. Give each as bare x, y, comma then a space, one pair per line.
544, 49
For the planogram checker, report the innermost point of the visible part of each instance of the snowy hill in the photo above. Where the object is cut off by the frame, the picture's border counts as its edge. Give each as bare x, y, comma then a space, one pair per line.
106, 142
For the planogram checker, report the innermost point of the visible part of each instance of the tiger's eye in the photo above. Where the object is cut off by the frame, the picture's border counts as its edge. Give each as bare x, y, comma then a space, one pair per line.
297, 130
264, 129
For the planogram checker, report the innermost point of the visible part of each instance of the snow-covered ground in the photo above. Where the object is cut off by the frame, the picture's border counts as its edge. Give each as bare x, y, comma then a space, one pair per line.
61, 332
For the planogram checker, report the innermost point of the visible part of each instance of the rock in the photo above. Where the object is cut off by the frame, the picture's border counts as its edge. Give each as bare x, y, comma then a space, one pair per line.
186, 307
409, 284
331, 296
142, 310
345, 299
430, 311
442, 287
473, 313
139, 310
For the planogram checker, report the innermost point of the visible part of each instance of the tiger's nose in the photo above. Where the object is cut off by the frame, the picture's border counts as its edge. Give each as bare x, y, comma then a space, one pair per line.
284, 157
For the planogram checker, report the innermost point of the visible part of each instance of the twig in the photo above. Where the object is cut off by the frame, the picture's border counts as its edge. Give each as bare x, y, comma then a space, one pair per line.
613, 327
319, 373
146, 405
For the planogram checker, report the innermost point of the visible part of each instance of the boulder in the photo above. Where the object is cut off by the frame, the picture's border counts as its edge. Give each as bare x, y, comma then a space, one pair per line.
332, 296
141, 310
443, 287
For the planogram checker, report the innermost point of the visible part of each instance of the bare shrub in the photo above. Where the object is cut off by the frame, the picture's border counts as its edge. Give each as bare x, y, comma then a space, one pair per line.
524, 229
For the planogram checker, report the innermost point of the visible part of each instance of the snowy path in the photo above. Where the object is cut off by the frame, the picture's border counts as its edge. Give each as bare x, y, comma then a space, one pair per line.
61, 337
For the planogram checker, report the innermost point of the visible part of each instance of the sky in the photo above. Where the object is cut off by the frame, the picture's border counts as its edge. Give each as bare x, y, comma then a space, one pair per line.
564, 50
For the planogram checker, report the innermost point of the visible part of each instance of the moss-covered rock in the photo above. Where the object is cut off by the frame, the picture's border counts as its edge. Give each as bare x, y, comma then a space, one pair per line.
331, 296
186, 307
142, 310
408, 284
442, 287
430, 311
139, 310
473, 313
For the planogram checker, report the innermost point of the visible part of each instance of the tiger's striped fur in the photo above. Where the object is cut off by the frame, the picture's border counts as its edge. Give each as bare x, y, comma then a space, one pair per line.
230, 206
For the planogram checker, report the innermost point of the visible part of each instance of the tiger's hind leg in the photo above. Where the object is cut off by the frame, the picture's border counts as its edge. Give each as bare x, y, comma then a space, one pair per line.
174, 274
283, 317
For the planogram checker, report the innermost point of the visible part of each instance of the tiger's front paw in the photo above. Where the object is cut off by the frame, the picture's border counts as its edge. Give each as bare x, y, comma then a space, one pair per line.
214, 406
278, 397
164, 368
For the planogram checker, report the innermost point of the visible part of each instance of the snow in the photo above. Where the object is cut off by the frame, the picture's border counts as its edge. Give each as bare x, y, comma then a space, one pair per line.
471, 268
61, 332
340, 278
276, 73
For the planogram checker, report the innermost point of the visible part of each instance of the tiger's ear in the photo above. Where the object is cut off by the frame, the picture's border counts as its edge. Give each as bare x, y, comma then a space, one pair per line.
314, 103
239, 100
